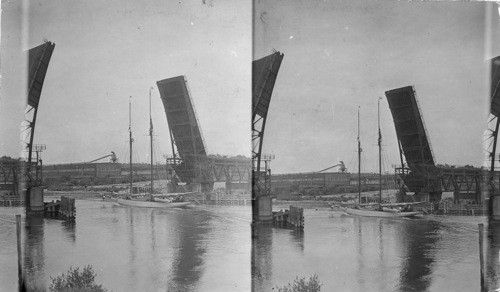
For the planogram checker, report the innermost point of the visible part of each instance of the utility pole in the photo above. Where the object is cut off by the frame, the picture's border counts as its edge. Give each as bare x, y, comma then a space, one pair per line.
151, 140
359, 164
19, 253
130, 137
379, 155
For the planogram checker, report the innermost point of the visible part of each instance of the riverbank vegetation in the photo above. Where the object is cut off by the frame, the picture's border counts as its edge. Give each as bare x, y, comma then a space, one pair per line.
75, 280
301, 285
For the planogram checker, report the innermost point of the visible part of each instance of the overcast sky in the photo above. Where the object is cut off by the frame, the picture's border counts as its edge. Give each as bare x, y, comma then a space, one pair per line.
339, 55
107, 51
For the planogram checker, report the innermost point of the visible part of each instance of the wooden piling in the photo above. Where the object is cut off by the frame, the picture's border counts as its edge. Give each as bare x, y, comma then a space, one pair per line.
481, 260
19, 253
67, 209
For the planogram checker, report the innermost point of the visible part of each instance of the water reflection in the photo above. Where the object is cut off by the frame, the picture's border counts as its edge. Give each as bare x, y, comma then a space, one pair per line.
185, 234
435, 253
263, 252
381, 242
70, 229
297, 237
34, 253
418, 241
129, 213
133, 249
262, 263
187, 266
383, 270
360, 255
492, 250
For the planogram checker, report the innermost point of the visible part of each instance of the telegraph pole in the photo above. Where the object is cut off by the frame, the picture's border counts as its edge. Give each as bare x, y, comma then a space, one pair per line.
151, 140
130, 137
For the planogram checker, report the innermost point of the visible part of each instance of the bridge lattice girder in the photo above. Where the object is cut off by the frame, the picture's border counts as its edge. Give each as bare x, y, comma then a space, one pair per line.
218, 169
9, 173
435, 179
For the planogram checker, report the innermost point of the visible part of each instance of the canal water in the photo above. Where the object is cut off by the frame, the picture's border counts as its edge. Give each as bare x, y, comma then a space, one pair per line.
433, 253
205, 248
208, 248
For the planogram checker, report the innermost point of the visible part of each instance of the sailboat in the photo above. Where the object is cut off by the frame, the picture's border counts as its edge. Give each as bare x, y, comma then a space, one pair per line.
380, 211
150, 201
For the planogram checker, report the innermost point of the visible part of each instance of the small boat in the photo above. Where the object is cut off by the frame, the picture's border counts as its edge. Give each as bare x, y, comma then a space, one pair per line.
377, 210
148, 200
377, 213
152, 204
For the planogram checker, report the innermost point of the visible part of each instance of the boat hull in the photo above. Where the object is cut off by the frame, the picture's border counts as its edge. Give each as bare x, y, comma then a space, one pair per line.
371, 213
148, 204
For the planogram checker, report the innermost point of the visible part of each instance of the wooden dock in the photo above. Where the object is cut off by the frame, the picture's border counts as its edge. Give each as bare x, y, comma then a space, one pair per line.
227, 202
61, 209
463, 210
294, 217
11, 201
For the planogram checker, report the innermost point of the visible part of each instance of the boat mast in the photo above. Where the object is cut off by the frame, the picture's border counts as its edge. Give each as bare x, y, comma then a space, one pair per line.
130, 138
379, 154
151, 139
359, 164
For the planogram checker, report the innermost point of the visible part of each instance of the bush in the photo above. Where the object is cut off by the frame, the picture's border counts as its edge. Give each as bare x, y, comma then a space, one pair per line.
74, 281
300, 285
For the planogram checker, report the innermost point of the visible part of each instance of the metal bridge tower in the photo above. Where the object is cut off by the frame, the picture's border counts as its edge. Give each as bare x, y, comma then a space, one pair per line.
264, 73
38, 62
493, 182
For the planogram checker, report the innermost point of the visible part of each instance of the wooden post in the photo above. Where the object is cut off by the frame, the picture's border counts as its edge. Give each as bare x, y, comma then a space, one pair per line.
481, 227
19, 253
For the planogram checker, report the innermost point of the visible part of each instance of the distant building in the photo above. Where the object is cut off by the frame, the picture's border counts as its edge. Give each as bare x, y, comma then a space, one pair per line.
283, 182
99, 173
346, 182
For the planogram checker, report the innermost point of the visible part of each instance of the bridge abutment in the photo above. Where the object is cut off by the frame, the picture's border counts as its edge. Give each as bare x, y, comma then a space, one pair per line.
34, 200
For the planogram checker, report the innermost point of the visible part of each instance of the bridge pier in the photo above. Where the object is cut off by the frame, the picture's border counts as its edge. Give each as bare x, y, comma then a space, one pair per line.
264, 210
34, 200
494, 207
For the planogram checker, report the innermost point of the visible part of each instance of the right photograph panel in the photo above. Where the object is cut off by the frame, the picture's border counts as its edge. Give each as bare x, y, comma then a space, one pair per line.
375, 157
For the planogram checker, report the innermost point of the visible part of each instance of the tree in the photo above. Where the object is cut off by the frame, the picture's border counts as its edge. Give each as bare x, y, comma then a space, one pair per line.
300, 285
75, 281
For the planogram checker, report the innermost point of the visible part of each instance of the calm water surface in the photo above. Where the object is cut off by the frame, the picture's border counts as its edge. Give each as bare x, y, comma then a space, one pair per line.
206, 248
435, 253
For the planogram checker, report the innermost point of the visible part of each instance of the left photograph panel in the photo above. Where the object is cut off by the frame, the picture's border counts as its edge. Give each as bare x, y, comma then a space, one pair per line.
125, 154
